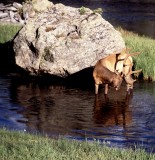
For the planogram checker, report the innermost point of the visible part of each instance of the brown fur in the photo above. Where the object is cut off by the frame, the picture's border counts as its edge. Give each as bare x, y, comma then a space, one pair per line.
102, 75
121, 63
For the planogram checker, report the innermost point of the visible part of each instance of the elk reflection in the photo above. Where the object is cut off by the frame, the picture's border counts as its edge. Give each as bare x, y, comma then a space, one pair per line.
113, 112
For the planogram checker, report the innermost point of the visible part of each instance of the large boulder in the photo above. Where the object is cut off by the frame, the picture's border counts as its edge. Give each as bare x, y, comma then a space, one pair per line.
63, 40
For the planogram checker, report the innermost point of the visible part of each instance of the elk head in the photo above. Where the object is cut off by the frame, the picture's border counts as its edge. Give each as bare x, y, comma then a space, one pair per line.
117, 81
127, 71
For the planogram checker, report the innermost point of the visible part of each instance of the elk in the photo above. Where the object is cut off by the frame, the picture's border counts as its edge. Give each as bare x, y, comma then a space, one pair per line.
120, 63
103, 75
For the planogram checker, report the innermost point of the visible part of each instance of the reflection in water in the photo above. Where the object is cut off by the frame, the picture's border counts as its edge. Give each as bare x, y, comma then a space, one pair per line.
112, 113
9, 111
123, 120
52, 110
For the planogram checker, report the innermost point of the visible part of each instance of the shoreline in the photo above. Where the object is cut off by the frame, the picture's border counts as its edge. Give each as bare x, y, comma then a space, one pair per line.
21, 145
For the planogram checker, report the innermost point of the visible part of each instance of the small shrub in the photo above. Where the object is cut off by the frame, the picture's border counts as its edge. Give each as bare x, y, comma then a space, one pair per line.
98, 10
82, 10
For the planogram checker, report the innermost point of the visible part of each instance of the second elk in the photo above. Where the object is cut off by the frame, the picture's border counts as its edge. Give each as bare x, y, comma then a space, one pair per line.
113, 69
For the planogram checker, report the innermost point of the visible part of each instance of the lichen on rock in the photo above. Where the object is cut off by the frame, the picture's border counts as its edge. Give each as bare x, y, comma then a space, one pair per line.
62, 41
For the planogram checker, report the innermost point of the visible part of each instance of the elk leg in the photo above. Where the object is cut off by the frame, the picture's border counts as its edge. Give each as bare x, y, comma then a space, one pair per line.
96, 88
106, 89
128, 88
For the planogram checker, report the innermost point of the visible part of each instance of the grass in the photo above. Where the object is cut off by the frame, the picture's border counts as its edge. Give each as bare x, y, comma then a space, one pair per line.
8, 31
146, 46
23, 146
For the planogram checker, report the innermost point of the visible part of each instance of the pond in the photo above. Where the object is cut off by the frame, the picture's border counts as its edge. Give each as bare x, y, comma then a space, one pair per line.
74, 112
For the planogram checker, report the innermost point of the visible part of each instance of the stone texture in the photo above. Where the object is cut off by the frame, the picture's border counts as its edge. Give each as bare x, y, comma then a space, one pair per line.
63, 40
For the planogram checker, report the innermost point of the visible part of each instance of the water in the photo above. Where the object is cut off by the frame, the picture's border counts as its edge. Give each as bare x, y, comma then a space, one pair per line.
136, 17
122, 121
74, 112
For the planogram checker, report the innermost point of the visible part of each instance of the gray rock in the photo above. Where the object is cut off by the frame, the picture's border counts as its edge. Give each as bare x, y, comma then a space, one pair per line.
12, 19
62, 40
17, 5
6, 19
1, 4
3, 7
3, 15
18, 18
11, 8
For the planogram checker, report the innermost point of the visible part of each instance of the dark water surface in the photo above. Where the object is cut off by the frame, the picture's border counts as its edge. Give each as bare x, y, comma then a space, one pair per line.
76, 113
136, 17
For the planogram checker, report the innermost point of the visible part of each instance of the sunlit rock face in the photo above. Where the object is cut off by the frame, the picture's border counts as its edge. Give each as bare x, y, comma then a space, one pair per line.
62, 40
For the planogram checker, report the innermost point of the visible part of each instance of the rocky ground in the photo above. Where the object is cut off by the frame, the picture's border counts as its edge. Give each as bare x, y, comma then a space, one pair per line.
12, 13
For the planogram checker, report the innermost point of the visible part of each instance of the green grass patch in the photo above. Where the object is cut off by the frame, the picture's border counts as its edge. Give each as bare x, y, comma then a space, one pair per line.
22, 146
8, 31
146, 46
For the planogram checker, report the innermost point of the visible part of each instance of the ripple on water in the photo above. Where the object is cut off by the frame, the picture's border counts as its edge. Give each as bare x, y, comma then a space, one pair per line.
119, 120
